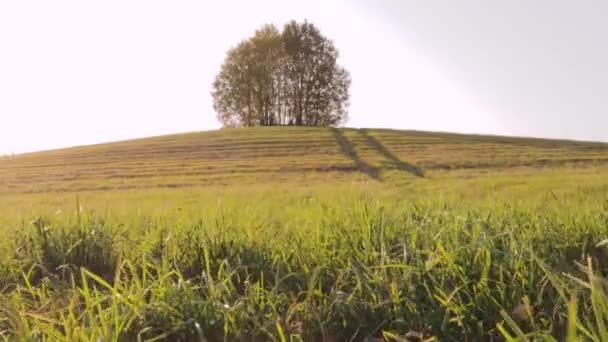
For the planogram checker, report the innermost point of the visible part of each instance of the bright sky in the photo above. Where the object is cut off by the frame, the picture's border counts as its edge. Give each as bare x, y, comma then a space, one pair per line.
79, 72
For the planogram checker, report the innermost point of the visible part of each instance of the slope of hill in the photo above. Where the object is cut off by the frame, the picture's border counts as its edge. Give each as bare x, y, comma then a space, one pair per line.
318, 235
254, 155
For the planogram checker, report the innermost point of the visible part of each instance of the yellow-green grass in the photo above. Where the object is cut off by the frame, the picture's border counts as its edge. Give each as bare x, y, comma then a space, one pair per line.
343, 235
250, 156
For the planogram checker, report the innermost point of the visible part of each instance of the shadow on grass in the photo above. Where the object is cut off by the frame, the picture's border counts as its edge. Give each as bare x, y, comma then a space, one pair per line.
349, 151
393, 160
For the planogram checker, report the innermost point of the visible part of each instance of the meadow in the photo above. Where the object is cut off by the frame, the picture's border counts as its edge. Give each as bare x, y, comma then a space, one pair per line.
296, 234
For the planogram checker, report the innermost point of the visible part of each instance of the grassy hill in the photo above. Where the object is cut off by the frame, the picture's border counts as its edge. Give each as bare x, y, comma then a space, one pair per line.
306, 234
241, 156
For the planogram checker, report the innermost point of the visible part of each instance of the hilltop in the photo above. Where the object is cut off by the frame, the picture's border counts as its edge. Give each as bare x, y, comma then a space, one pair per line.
278, 154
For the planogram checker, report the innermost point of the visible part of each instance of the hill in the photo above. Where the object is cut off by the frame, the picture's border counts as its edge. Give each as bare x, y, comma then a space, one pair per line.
306, 234
253, 155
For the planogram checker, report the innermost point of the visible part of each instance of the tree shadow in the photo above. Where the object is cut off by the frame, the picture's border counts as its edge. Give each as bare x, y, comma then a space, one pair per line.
349, 151
392, 159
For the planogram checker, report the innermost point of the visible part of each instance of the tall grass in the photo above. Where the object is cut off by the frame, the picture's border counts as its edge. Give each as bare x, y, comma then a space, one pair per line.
310, 267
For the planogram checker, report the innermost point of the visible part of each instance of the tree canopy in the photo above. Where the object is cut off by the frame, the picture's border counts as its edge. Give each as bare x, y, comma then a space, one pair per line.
282, 78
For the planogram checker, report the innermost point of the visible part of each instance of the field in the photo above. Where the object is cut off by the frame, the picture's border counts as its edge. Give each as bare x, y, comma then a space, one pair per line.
304, 234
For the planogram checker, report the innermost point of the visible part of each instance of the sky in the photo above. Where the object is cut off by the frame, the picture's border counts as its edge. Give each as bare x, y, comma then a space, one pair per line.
81, 72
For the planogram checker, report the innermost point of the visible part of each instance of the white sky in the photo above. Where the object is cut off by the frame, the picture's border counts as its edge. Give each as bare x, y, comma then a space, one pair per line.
79, 72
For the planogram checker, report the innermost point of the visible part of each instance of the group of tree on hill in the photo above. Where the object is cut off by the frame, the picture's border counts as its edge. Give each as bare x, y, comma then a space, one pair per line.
288, 77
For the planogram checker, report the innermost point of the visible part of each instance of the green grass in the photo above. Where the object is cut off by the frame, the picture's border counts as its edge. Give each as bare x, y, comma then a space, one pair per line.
348, 235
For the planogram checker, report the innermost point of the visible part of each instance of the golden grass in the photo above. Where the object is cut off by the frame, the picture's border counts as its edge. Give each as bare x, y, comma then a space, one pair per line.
236, 156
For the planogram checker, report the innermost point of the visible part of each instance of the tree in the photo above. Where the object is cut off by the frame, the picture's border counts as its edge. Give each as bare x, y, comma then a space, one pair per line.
282, 78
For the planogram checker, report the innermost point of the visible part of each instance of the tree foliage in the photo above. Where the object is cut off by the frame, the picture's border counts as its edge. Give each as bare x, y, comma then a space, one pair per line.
282, 78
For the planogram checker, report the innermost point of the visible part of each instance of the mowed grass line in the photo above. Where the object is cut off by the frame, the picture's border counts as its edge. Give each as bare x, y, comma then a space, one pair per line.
450, 151
292, 150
